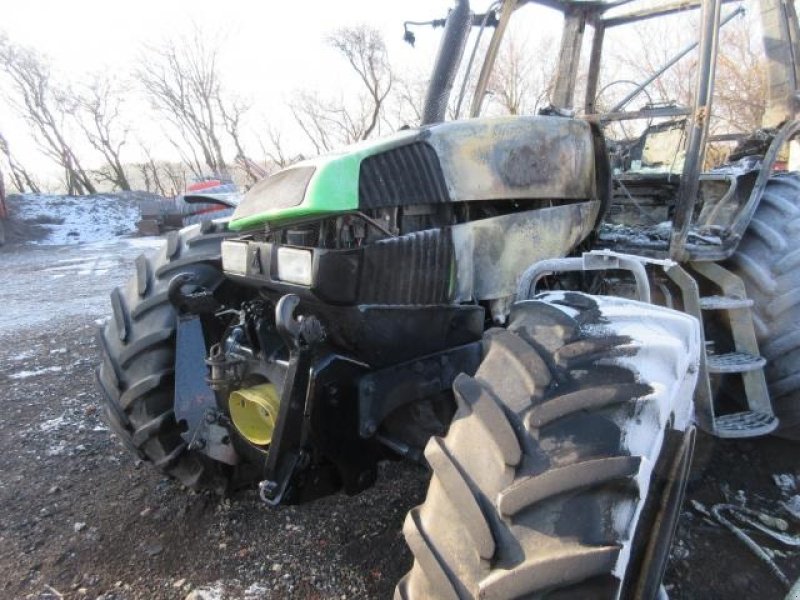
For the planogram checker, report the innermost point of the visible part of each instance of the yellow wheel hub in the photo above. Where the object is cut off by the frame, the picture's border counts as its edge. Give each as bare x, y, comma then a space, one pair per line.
254, 412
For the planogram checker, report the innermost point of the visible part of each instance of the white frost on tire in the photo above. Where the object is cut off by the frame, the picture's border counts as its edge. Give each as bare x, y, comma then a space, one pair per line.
671, 338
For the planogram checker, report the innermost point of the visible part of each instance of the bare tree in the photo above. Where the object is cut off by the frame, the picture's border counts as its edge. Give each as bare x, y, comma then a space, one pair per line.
655, 43
182, 81
332, 122
232, 115
409, 97
161, 177
22, 180
143, 170
273, 149
152, 181
521, 81
326, 123
99, 117
741, 82
365, 50
175, 176
44, 107
187, 155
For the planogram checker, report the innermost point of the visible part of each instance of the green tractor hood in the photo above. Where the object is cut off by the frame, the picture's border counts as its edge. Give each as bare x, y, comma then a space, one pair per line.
476, 159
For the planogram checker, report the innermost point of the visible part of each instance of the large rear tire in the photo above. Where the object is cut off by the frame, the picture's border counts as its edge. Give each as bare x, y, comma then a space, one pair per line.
768, 260
136, 375
562, 473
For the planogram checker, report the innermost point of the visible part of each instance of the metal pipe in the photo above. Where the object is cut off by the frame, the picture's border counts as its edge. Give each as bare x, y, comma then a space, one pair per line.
590, 261
590, 102
687, 192
624, 102
451, 49
468, 70
742, 220
569, 57
653, 12
491, 55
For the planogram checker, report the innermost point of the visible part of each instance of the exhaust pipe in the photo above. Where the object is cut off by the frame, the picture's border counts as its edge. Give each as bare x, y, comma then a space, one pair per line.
448, 59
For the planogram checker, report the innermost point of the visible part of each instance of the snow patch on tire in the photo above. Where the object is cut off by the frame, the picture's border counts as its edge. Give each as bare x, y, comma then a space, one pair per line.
653, 331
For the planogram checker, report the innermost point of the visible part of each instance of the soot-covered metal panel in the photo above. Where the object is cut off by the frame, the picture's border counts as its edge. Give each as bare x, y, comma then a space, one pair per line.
516, 158
492, 253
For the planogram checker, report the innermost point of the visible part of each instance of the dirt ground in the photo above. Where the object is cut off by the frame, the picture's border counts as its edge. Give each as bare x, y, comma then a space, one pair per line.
82, 519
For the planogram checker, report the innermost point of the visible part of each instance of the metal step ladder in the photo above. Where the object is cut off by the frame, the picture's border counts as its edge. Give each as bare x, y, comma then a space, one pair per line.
745, 360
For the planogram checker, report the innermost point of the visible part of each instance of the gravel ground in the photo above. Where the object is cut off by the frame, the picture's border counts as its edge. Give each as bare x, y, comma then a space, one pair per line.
82, 519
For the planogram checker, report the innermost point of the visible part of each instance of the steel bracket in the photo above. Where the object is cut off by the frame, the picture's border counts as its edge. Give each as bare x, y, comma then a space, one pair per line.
195, 402
383, 391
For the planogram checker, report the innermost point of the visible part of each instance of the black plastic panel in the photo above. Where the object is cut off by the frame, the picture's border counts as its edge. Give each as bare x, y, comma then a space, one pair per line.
410, 269
383, 335
406, 175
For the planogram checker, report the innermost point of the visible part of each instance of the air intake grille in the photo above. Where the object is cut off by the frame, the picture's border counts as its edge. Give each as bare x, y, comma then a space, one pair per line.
406, 175
411, 269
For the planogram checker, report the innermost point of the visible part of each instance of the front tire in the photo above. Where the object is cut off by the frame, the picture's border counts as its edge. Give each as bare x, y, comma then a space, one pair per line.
137, 372
563, 470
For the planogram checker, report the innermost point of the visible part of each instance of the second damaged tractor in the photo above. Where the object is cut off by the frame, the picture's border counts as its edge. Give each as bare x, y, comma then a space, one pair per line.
484, 296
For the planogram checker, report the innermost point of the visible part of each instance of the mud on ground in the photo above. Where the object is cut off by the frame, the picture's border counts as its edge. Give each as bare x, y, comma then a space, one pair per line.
80, 518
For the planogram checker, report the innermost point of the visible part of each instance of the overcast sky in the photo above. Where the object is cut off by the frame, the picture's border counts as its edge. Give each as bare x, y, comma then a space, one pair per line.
270, 49
277, 42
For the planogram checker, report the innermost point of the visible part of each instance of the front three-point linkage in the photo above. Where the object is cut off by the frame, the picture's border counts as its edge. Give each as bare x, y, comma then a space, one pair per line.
286, 455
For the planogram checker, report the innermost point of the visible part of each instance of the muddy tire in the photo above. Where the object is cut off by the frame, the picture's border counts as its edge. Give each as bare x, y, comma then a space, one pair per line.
562, 473
768, 260
136, 375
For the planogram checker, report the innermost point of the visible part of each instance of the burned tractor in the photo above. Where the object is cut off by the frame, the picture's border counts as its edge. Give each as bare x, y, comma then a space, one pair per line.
538, 314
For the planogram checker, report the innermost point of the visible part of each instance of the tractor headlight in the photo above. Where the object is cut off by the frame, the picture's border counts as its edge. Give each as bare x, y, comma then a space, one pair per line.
234, 258
294, 266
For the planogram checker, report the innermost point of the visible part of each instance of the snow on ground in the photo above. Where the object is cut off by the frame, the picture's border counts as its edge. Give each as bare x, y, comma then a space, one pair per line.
68, 254
77, 219
215, 591
45, 283
34, 373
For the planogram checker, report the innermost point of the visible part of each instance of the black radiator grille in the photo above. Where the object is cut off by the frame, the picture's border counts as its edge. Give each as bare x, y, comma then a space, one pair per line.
411, 269
407, 175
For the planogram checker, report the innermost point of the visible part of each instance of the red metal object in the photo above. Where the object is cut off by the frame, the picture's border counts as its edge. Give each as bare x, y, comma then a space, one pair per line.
210, 209
203, 185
